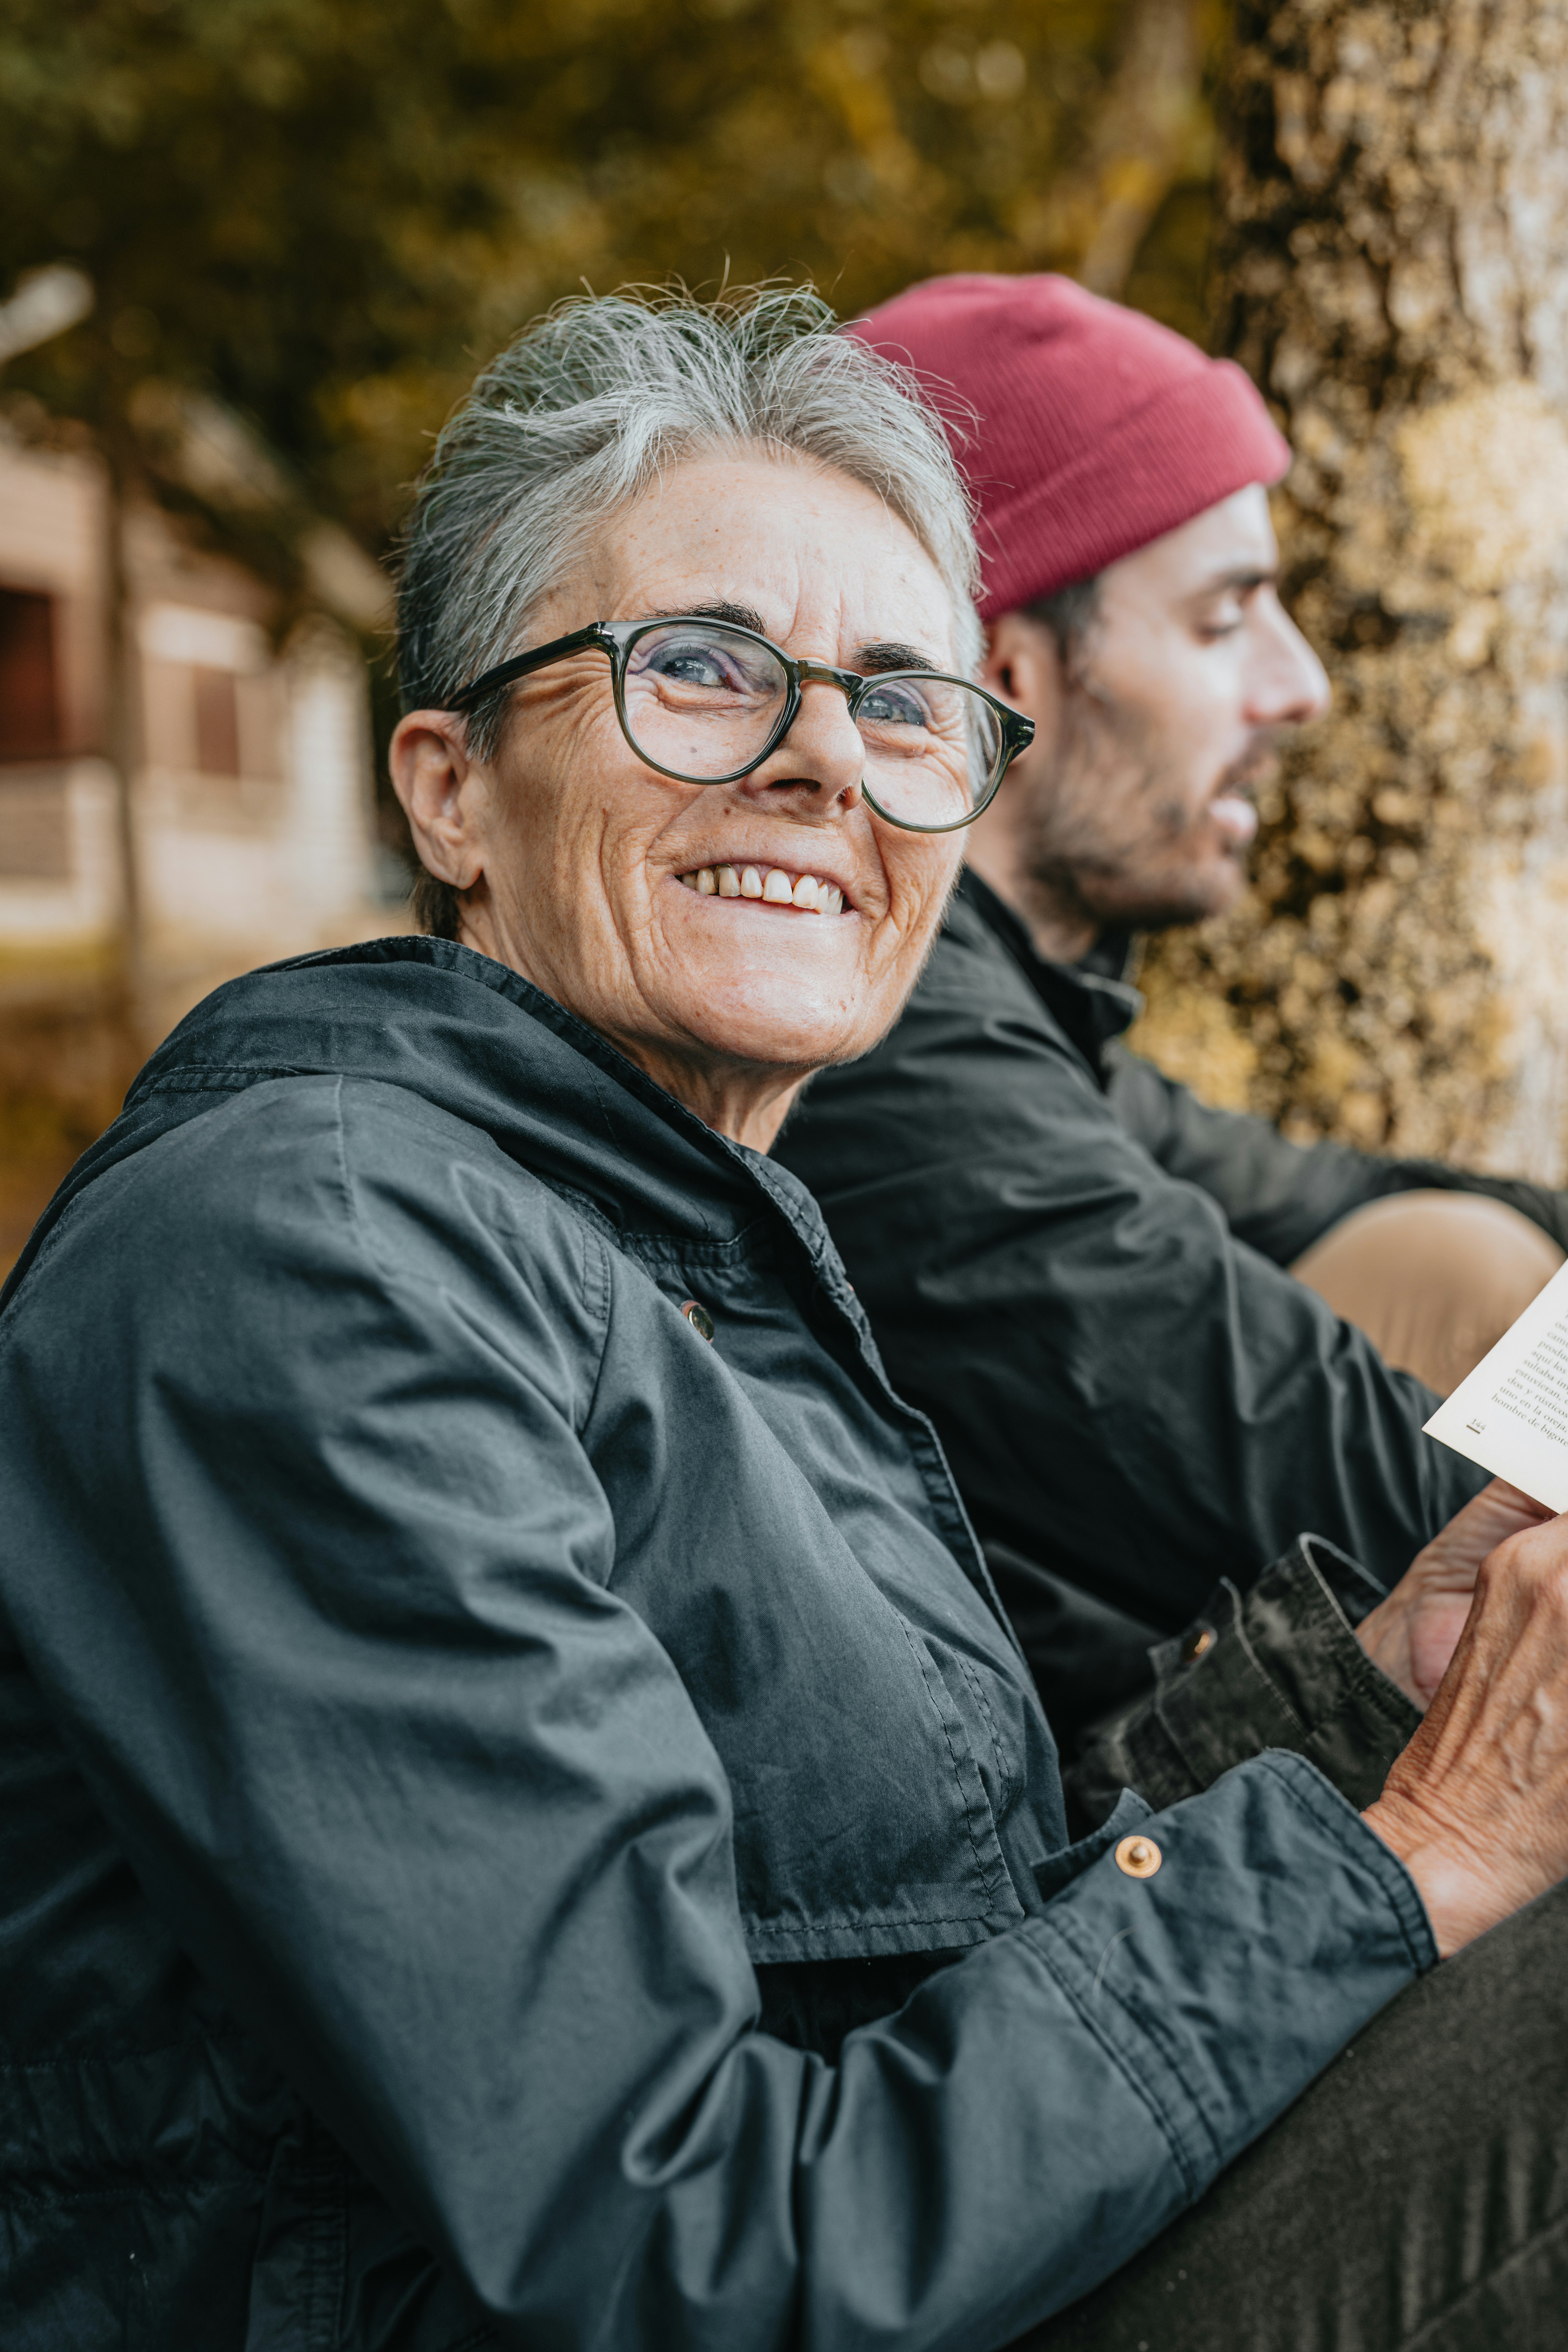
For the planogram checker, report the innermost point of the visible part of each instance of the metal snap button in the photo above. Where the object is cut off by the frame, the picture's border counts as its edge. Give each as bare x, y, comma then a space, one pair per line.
699, 1319
1198, 1645
1140, 1857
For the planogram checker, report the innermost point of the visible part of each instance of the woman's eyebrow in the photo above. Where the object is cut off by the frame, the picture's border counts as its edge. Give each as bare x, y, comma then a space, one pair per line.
869, 659
739, 616
876, 657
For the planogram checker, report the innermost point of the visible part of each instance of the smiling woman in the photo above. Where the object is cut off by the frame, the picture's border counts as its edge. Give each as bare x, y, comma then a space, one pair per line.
767, 541
535, 1828
566, 848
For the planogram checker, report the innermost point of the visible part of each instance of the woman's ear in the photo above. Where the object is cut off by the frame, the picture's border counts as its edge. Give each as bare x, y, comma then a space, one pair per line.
442, 792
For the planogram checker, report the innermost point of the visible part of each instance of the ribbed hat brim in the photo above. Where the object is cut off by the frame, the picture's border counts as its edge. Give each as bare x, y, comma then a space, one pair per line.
1183, 450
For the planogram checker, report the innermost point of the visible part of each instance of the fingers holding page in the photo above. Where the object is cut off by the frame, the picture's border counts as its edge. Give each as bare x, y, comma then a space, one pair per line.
1477, 1807
1412, 1635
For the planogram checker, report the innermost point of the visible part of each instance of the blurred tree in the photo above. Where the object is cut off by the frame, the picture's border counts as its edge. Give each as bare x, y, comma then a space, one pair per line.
323, 212
1140, 134
1394, 193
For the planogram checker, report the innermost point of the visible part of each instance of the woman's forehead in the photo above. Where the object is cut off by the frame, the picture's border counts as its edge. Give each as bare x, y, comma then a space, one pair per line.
797, 546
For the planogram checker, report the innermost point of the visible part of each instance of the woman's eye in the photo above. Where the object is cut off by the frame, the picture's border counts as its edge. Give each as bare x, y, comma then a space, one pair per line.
894, 705
690, 665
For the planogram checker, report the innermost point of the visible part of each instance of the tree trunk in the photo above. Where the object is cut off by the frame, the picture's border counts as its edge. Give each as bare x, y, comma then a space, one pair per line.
1392, 267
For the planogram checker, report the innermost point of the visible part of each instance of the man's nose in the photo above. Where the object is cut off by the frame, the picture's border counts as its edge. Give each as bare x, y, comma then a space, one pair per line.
1291, 684
822, 755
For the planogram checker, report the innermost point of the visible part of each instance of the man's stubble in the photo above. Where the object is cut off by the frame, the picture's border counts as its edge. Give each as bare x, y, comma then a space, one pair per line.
1110, 829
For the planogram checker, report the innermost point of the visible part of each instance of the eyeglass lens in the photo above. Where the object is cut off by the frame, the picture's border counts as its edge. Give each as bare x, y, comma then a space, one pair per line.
702, 701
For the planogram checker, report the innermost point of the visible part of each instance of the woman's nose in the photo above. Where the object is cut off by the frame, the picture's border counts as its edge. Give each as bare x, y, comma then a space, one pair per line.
821, 754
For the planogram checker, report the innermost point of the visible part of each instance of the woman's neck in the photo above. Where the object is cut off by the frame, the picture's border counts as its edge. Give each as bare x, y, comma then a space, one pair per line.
746, 1102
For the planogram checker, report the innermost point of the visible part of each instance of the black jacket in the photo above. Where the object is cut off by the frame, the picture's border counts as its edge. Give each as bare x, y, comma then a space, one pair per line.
481, 1761
1077, 1269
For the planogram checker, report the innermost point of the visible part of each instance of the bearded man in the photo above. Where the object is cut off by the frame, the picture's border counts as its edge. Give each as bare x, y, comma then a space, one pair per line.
1158, 1338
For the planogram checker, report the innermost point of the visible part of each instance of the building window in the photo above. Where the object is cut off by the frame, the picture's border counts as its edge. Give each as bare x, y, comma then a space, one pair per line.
35, 829
217, 721
30, 721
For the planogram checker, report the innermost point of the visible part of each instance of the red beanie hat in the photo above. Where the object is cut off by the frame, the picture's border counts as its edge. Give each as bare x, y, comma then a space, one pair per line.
1098, 430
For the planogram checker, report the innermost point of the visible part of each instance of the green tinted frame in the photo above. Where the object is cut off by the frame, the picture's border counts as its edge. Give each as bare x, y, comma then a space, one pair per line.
616, 639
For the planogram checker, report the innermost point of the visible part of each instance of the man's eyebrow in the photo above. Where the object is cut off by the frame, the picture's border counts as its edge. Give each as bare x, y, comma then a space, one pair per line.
1242, 576
739, 616
876, 657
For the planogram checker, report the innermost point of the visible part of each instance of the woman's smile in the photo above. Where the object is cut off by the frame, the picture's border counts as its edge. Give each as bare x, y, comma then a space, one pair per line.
771, 889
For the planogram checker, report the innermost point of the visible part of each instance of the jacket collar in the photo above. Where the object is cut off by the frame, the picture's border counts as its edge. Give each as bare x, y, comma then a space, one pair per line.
476, 1040
1092, 1000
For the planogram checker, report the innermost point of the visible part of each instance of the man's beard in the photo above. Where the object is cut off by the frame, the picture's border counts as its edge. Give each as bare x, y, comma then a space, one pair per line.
1106, 833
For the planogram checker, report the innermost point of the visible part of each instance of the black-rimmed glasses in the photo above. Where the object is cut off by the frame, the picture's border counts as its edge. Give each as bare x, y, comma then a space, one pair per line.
705, 702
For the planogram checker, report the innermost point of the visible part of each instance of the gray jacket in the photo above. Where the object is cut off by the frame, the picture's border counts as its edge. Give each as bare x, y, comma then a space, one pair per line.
521, 1824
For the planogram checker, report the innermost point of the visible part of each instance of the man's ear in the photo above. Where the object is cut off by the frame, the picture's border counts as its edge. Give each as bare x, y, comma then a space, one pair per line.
1022, 665
442, 792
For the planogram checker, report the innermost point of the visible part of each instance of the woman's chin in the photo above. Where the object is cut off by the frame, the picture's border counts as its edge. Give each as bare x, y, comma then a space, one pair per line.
752, 1018
806, 1037
784, 990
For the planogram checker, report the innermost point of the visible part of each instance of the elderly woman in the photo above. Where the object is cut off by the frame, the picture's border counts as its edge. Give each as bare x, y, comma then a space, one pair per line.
527, 1825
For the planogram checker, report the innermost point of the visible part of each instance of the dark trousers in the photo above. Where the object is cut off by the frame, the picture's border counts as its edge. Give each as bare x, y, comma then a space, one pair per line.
1414, 2200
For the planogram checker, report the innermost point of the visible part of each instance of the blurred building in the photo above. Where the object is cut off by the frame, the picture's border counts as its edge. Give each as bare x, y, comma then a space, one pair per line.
251, 803
249, 814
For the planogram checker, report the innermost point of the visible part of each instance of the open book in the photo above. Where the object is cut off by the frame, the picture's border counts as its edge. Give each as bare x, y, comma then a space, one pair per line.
1512, 1413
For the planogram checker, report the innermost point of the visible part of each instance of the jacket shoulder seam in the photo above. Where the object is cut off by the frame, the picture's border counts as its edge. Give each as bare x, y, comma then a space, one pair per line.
218, 1077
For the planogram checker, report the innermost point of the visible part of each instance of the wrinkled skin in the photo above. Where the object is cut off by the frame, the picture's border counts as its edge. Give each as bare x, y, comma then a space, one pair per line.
1413, 1634
569, 850
1476, 1806
1133, 809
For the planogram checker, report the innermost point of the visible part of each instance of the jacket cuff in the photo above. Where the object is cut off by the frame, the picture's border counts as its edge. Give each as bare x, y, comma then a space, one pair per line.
1277, 1667
1273, 1925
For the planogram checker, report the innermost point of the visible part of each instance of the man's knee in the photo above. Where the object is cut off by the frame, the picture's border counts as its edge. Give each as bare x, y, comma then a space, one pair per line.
1433, 1278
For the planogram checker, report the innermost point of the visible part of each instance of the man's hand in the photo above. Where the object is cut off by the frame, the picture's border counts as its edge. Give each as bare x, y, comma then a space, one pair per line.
1477, 1807
1413, 1634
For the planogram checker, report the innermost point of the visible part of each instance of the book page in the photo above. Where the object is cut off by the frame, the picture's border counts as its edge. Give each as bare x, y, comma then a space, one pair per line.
1512, 1413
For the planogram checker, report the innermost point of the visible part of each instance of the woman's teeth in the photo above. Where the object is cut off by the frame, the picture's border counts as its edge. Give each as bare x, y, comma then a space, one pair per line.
776, 888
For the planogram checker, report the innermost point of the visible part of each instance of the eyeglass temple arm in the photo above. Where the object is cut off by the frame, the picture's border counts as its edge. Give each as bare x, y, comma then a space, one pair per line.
505, 673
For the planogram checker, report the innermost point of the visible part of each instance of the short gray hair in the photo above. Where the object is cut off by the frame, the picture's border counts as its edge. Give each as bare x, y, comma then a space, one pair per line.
578, 417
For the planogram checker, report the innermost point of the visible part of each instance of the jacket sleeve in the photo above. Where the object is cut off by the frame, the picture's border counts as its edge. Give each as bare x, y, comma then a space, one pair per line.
1280, 1197
317, 1581
1275, 1667
1128, 1394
